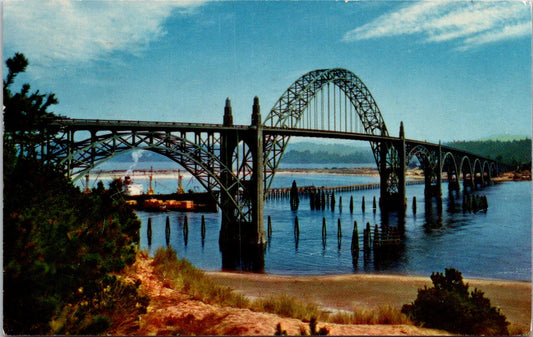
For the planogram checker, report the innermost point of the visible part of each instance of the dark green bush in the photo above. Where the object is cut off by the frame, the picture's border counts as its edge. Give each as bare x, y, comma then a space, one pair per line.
448, 305
60, 245
57, 241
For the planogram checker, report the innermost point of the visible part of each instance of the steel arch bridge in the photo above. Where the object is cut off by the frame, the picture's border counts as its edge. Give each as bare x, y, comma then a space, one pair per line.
239, 161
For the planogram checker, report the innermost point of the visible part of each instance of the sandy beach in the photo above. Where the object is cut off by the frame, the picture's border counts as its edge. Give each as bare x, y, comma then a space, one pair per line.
172, 312
346, 292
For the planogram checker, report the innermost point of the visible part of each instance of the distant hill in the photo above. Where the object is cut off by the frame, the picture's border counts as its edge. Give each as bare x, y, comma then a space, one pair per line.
309, 152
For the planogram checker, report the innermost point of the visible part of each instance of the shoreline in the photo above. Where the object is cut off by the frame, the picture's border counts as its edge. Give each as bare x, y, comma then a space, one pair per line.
345, 292
414, 174
372, 273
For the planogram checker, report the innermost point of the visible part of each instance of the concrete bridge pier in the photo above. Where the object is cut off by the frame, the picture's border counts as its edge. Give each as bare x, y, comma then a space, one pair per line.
392, 169
433, 177
257, 183
242, 237
468, 182
432, 188
453, 182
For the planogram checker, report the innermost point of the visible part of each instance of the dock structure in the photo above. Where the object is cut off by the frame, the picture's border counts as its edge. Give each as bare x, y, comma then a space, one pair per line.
308, 191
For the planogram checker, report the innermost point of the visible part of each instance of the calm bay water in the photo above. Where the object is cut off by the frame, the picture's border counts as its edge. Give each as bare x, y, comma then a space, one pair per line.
495, 244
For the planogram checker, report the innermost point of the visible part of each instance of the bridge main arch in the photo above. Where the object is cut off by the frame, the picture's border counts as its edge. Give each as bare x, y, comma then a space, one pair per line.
343, 90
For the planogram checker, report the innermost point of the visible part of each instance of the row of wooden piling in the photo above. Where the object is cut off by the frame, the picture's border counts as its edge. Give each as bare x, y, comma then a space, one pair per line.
167, 230
323, 200
475, 203
382, 237
280, 193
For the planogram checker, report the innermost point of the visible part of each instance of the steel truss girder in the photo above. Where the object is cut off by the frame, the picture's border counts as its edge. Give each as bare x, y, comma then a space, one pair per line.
199, 157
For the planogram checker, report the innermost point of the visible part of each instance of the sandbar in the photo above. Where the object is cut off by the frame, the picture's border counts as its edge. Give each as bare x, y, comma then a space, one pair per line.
366, 291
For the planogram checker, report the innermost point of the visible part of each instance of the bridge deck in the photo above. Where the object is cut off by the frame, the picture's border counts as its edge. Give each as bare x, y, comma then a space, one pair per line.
154, 126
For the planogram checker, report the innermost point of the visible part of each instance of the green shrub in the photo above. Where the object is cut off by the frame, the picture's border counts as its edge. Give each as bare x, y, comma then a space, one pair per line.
448, 305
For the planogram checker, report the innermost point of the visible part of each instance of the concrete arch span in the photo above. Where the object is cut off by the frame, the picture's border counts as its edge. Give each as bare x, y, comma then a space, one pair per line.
449, 165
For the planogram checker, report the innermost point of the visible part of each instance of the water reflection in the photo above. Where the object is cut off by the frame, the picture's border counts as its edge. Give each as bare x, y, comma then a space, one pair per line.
433, 214
243, 256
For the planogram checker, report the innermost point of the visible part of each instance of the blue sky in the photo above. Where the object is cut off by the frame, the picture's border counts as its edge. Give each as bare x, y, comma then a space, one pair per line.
448, 70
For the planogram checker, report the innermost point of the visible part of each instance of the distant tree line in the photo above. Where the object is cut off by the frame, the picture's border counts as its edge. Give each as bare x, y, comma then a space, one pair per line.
515, 152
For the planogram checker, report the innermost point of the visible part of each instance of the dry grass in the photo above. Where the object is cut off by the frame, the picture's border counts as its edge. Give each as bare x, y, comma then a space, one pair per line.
181, 275
288, 307
379, 315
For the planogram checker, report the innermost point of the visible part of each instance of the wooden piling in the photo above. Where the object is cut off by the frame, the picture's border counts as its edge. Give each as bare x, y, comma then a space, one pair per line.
324, 229
351, 204
332, 201
269, 227
296, 227
203, 227
366, 236
149, 232
376, 237
186, 230
340, 203
339, 228
294, 197
167, 231
414, 205
374, 206
363, 204
355, 238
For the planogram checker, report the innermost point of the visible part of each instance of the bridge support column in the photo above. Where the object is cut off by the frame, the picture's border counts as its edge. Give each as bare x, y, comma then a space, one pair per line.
402, 168
438, 192
257, 193
392, 174
241, 238
229, 141
384, 199
453, 182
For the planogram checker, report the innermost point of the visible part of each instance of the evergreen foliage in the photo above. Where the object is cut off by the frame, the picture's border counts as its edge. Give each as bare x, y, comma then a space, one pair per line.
515, 152
61, 246
25, 113
448, 305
